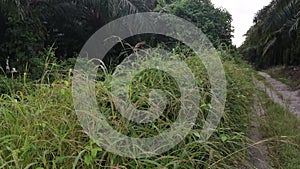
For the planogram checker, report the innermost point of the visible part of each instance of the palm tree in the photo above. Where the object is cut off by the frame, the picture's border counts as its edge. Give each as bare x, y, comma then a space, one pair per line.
274, 38
67, 23
71, 22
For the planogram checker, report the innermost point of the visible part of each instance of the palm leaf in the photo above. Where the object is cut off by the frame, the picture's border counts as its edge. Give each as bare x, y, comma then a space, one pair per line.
269, 45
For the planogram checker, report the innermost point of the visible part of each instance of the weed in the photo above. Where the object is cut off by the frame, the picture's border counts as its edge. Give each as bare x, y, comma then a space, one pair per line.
41, 130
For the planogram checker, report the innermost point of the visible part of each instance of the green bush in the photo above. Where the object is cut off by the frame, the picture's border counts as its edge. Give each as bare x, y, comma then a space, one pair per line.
10, 85
42, 130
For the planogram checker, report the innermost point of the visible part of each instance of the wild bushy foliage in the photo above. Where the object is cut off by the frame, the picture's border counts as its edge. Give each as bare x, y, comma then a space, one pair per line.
39, 127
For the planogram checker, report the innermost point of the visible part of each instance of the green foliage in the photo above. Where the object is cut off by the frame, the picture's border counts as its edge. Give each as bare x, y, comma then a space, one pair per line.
283, 127
274, 37
22, 37
214, 22
41, 130
10, 85
29, 26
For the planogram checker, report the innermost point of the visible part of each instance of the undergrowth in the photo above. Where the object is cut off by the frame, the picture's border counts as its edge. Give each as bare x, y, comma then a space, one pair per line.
283, 128
39, 127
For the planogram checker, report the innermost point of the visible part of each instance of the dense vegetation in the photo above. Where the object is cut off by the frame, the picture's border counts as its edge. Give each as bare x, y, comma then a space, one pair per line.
27, 26
38, 124
39, 127
275, 37
214, 22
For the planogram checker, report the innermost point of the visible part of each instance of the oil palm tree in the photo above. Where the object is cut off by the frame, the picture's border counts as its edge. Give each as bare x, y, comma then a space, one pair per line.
274, 39
67, 23
71, 22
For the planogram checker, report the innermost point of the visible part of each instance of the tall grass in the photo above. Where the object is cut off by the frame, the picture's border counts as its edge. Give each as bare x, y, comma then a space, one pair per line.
40, 128
283, 127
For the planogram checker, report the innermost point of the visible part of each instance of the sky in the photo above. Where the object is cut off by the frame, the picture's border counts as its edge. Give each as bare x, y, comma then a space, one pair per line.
243, 12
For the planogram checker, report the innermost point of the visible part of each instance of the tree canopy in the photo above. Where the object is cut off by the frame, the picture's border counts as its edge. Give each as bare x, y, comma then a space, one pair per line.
214, 22
275, 36
28, 26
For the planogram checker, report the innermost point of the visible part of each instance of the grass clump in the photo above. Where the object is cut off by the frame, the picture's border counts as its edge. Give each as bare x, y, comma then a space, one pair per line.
41, 130
283, 127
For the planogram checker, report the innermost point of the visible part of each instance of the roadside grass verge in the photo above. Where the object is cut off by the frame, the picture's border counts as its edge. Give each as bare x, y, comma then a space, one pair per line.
39, 128
284, 129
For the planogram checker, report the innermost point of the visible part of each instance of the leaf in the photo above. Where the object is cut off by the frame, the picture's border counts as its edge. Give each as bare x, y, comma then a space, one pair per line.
77, 159
197, 135
87, 159
95, 151
63, 91
269, 45
224, 137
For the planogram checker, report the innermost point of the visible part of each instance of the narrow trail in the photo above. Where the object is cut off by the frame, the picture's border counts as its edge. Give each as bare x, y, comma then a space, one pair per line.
259, 158
282, 94
258, 153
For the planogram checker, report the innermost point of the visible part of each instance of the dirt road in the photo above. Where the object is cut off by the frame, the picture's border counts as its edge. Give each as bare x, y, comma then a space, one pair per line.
282, 94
